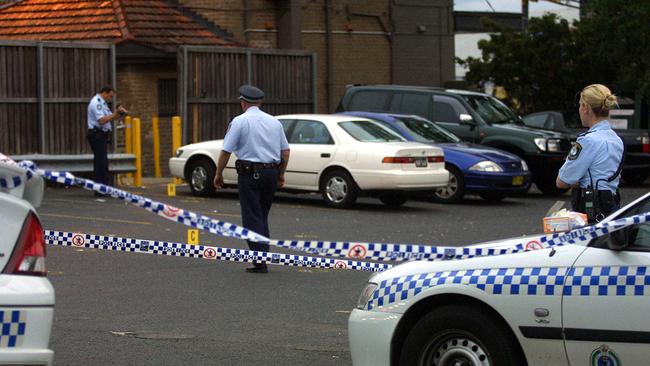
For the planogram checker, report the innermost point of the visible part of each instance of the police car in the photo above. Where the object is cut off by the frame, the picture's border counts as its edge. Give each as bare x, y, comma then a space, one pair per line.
26, 295
586, 303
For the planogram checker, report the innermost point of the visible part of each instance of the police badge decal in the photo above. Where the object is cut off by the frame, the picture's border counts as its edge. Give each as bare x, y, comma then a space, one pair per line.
604, 356
575, 151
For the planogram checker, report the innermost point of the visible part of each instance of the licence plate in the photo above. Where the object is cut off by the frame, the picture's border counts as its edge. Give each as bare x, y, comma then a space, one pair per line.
420, 162
518, 180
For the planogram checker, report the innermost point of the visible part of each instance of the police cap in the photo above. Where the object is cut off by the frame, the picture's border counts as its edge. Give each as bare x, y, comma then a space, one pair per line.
250, 94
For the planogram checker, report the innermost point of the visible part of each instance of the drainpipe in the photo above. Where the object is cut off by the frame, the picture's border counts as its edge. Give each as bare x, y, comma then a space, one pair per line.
330, 53
245, 20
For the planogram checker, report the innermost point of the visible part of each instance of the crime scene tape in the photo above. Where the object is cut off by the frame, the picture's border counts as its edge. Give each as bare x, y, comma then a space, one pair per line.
77, 240
340, 249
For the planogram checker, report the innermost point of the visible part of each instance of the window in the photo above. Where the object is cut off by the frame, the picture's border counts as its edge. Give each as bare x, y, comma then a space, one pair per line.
369, 101
447, 109
365, 131
536, 120
310, 132
638, 236
286, 126
426, 131
167, 98
411, 103
491, 109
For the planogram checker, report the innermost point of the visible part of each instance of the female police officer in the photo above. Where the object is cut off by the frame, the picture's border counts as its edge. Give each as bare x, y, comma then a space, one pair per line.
594, 163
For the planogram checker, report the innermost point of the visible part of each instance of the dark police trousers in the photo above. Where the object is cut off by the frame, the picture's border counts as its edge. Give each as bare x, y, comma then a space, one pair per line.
98, 140
256, 197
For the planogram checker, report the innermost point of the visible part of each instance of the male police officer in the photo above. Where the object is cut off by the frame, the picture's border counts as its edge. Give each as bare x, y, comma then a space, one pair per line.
262, 149
594, 163
99, 130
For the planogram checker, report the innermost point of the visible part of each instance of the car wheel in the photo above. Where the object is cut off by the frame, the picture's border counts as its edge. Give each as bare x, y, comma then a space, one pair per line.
548, 187
455, 189
634, 177
460, 335
393, 199
339, 189
492, 196
201, 176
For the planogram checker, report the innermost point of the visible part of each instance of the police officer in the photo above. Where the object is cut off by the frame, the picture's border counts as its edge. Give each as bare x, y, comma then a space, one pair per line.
99, 131
258, 140
594, 163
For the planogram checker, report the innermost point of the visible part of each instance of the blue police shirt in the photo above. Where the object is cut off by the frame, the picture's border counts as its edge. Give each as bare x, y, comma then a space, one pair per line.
98, 108
598, 151
256, 136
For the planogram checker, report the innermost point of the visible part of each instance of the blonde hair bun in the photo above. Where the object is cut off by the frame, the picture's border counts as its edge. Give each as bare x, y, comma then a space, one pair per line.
599, 98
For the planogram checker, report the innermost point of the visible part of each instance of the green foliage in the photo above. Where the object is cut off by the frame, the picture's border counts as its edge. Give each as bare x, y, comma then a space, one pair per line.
544, 67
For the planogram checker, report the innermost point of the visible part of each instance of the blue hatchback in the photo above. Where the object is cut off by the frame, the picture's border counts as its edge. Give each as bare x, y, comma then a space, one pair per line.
491, 173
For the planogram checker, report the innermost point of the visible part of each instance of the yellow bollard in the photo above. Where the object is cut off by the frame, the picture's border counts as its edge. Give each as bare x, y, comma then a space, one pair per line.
176, 140
171, 189
192, 236
128, 137
137, 150
156, 147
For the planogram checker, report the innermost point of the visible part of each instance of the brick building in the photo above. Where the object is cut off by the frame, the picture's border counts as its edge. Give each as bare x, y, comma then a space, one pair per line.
356, 41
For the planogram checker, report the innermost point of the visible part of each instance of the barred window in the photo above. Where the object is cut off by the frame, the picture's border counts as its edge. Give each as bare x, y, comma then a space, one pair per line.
167, 97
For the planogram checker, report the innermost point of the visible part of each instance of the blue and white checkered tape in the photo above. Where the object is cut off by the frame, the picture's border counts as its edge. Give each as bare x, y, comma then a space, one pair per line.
131, 245
525, 281
337, 249
13, 328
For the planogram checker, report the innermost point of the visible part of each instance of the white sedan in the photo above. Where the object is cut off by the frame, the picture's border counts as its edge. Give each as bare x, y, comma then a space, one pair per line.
26, 295
580, 304
339, 156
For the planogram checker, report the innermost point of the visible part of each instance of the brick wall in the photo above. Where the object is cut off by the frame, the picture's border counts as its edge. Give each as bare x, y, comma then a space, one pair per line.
137, 90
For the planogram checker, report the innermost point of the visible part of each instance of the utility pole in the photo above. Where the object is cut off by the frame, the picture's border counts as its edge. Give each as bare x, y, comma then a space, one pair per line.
524, 15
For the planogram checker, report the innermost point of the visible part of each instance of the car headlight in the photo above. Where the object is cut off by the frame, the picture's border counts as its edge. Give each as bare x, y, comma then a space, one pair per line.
366, 294
524, 166
541, 143
486, 166
550, 145
553, 145
179, 152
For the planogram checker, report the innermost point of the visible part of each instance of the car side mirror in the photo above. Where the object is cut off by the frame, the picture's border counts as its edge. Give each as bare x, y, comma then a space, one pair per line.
466, 119
618, 240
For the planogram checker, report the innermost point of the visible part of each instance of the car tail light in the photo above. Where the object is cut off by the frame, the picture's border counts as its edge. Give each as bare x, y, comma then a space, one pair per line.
436, 159
645, 142
28, 257
399, 160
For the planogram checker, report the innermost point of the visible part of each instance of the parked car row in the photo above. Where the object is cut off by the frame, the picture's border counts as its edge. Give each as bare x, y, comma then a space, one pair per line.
636, 167
391, 157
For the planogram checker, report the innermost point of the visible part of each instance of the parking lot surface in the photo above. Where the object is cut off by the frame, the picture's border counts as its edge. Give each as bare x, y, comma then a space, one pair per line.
116, 308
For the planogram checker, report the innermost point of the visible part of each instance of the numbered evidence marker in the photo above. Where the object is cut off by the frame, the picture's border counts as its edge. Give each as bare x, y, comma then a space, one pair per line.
171, 189
192, 236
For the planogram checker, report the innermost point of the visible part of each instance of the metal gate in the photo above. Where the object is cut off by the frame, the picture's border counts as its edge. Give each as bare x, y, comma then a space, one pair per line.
45, 88
209, 78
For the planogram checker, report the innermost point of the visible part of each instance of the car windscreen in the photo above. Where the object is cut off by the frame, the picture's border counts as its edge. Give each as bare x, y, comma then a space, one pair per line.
425, 131
491, 109
367, 131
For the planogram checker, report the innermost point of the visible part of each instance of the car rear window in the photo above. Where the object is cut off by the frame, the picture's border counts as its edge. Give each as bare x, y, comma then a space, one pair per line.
369, 100
366, 131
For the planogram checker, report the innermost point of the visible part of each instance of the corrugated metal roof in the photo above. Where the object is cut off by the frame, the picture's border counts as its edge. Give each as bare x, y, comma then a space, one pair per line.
155, 23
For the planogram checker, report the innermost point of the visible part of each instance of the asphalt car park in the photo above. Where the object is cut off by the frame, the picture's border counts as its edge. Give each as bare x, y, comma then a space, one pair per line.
123, 308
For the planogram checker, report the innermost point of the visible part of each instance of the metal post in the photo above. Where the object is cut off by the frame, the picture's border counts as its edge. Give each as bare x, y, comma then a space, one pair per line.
184, 94
128, 139
314, 82
137, 150
41, 99
156, 147
113, 83
249, 67
176, 140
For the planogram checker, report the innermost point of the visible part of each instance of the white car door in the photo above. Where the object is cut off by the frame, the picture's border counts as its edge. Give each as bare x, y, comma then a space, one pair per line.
606, 302
312, 148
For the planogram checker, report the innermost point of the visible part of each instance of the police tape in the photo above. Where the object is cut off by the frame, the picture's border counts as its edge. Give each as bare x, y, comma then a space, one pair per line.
114, 243
341, 249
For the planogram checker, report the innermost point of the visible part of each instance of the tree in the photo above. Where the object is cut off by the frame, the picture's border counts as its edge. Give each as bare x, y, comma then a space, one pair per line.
536, 67
614, 37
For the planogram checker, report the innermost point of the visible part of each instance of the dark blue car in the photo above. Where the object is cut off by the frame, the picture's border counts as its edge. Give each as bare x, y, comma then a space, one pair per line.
491, 173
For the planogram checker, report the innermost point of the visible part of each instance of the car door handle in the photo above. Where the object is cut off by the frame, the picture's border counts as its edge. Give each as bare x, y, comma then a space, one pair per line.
325, 155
